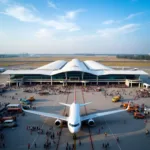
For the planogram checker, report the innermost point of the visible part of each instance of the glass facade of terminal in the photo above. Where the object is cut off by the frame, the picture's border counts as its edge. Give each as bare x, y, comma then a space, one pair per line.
115, 77
75, 75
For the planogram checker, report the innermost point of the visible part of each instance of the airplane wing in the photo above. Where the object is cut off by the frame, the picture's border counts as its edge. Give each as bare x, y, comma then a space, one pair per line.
50, 115
101, 114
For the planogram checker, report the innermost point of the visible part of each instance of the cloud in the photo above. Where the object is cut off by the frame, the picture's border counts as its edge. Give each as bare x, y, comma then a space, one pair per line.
43, 32
109, 22
108, 32
21, 13
25, 14
61, 25
51, 5
134, 15
72, 14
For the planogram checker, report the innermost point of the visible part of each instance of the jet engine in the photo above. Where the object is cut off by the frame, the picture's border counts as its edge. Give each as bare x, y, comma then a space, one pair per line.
58, 123
91, 122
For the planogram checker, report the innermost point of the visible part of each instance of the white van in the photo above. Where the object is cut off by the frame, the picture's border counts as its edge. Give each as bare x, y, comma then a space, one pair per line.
9, 123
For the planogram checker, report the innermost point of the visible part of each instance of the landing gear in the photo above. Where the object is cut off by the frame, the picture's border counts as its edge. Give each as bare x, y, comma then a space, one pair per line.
74, 137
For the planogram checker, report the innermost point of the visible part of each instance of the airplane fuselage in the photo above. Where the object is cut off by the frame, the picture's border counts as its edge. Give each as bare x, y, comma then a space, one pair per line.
74, 121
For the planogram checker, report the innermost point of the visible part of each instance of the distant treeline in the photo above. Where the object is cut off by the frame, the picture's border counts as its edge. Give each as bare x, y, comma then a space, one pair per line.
13, 55
7, 56
137, 57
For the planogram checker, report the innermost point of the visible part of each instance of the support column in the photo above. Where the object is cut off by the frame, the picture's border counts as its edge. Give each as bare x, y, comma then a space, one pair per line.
139, 85
82, 76
30, 83
107, 83
9, 83
97, 80
51, 80
84, 83
17, 84
131, 84
66, 75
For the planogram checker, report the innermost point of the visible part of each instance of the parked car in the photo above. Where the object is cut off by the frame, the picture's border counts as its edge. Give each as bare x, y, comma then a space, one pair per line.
138, 115
9, 123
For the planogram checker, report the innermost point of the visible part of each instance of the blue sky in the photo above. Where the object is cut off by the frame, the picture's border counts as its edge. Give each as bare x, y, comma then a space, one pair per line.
75, 26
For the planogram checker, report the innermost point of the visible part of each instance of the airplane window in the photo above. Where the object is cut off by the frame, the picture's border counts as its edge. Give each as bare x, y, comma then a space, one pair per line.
74, 125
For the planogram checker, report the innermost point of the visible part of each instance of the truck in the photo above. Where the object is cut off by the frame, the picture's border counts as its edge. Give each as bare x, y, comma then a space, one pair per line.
31, 98
116, 98
14, 108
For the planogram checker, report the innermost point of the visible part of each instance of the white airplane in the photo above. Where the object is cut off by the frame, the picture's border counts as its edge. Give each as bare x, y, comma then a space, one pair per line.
75, 119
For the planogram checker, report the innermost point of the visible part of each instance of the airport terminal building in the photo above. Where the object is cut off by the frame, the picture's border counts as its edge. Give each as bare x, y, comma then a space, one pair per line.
76, 72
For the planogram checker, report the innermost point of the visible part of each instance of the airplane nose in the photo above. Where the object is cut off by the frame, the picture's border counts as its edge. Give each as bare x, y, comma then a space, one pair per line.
74, 130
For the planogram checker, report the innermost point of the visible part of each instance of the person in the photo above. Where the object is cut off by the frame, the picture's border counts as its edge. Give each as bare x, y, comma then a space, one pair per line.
117, 139
107, 144
147, 132
35, 145
103, 145
79, 142
105, 134
99, 130
28, 145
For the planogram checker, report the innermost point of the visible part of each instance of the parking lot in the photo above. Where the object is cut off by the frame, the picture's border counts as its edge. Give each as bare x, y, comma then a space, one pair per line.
131, 132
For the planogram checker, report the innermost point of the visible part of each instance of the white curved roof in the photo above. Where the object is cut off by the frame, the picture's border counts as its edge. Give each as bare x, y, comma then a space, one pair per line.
54, 65
75, 65
88, 66
93, 65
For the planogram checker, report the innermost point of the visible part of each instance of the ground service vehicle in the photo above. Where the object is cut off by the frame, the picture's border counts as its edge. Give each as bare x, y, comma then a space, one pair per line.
31, 98
25, 101
138, 115
125, 105
14, 108
9, 123
146, 111
133, 109
116, 98
8, 118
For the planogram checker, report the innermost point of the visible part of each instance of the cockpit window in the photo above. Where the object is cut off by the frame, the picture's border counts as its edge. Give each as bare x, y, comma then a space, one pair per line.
74, 125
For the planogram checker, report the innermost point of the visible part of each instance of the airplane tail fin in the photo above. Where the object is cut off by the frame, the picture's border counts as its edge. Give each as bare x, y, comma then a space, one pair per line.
68, 105
81, 105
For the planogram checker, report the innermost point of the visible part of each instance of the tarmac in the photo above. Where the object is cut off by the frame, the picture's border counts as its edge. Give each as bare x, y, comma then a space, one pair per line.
130, 131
